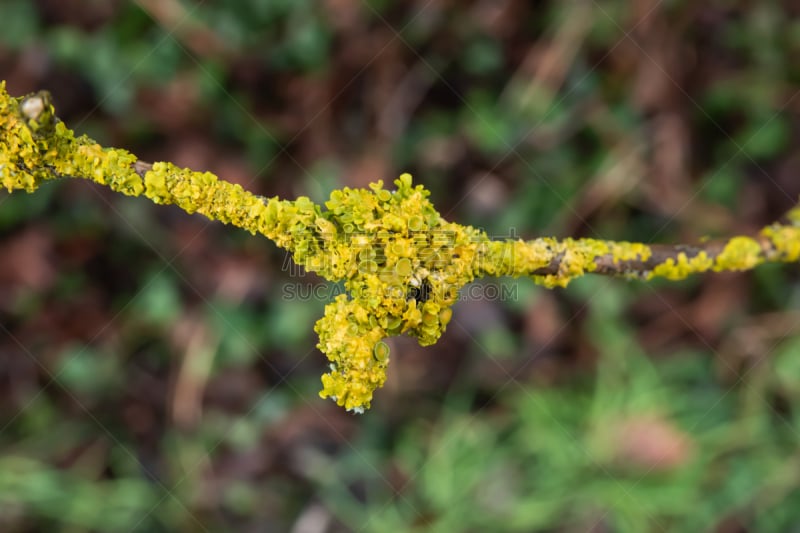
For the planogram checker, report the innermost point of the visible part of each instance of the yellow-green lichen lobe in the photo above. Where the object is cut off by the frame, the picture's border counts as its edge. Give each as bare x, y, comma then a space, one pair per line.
683, 266
20, 158
740, 253
580, 256
358, 357
785, 241
629, 251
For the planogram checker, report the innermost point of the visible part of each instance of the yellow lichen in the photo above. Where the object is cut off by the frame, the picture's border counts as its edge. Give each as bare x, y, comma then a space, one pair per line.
683, 266
740, 253
785, 241
402, 264
629, 251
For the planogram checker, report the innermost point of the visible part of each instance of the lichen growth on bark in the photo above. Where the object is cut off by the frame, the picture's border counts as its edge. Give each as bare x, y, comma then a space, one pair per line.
402, 264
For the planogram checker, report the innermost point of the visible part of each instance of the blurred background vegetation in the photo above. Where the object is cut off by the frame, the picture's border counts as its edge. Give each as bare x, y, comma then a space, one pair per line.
158, 372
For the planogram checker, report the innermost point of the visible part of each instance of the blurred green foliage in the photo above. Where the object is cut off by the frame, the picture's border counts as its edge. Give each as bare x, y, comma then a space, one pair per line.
155, 377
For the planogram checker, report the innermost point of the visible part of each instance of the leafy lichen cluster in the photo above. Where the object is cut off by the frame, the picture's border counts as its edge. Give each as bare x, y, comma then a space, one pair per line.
402, 264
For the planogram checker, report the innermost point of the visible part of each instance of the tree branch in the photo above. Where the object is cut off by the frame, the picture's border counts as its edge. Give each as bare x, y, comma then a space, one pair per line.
402, 264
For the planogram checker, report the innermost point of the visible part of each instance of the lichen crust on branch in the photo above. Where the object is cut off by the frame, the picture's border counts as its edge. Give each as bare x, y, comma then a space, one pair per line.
401, 262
